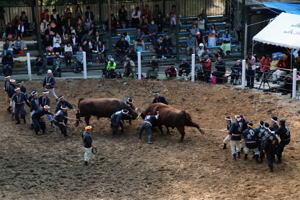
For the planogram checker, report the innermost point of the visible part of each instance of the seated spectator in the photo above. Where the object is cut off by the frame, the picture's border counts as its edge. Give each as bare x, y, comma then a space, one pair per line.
9, 31
160, 51
135, 17
201, 22
89, 15
122, 47
191, 44
74, 42
184, 68
139, 35
7, 62
66, 39
57, 43
24, 20
212, 36
171, 72
194, 30
200, 39
43, 27
100, 49
56, 67
153, 30
236, 71
220, 53
206, 66
146, 13
123, 14
226, 42
68, 52
127, 37
87, 47
47, 43
97, 37
55, 17
282, 65
110, 69
200, 50
250, 74
167, 45
173, 16
220, 67
144, 25
19, 46
274, 63
139, 46
40, 65
153, 72
160, 22
8, 48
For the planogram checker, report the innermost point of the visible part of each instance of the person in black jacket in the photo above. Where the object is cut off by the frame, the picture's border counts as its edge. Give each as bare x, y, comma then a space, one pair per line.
274, 126
159, 99
236, 136
285, 138
19, 99
59, 119
7, 62
250, 74
220, 70
87, 143
63, 103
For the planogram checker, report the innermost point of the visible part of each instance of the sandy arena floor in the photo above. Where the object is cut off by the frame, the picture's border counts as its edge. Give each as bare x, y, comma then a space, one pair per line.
125, 168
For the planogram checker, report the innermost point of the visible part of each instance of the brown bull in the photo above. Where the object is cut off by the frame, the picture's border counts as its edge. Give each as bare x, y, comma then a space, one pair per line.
101, 107
171, 117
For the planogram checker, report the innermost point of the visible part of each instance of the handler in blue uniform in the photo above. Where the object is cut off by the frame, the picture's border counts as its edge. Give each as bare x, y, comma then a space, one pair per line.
147, 125
38, 123
63, 103
251, 141
19, 100
159, 99
117, 120
49, 83
59, 119
285, 138
274, 126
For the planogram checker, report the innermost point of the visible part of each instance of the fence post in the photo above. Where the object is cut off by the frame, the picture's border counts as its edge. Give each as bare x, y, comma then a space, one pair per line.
294, 94
244, 74
84, 65
139, 65
29, 66
193, 68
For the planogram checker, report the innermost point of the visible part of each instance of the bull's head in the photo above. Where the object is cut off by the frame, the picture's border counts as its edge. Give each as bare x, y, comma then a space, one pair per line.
132, 112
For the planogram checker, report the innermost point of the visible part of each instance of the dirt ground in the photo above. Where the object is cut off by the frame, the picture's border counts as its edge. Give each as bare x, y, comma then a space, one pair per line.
51, 167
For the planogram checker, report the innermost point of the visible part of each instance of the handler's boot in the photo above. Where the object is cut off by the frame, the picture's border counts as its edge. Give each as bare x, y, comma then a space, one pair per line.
271, 169
246, 157
24, 121
234, 156
86, 163
224, 146
239, 155
18, 122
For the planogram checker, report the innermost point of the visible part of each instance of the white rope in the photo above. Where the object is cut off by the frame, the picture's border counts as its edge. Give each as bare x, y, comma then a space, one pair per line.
219, 130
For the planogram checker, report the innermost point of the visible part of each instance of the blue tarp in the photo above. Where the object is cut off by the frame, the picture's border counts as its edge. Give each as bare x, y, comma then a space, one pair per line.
286, 7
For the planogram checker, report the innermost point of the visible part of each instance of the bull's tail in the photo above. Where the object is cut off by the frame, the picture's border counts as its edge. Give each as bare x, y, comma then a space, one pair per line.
189, 122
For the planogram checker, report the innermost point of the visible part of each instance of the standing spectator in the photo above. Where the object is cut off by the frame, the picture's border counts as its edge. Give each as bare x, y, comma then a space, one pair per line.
206, 66
167, 45
24, 19
78, 66
146, 13
7, 62
226, 42
47, 43
78, 12
250, 74
220, 66
45, 15
20, 29
40, 65
127, 37
152, 30
43, 27
49, 83
89, 15
236, 71
200, 39
212, 36
57, 43
135, 17
123, 14
201, 22
55, 17
194, 30
87, 143
2, 18
68, 52
74, 42
191, 44
56, 67
173, 16
274, 63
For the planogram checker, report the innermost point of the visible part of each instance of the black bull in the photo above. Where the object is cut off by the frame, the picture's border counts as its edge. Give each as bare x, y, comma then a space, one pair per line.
101, 107
171, 117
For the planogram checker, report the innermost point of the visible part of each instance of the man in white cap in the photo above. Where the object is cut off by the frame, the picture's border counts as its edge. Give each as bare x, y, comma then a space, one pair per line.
274, 126
34, 103
49, 83
19, 100
44, 100
38, 123
236, 136
159, 99
62, 102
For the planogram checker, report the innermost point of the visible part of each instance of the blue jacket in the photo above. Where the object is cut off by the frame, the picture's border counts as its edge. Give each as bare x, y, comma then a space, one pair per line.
60, 116
64, 104
236, 130
44, 101
250, 135
19, 98
87, 139
39, 113
116, 119
160, 99
34, 104
49, 82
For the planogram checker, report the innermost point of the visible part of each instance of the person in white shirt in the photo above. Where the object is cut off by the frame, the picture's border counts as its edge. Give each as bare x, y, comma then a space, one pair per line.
57, 43
68, 51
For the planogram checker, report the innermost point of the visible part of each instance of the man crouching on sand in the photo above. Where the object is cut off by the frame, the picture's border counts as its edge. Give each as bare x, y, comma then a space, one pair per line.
87, 143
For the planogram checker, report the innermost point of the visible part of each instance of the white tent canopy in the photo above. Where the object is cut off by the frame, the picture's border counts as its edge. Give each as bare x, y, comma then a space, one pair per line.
283, 31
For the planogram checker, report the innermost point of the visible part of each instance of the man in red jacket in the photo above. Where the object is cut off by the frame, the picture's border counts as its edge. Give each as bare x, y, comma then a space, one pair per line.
206, 65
